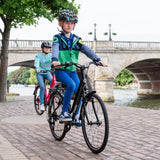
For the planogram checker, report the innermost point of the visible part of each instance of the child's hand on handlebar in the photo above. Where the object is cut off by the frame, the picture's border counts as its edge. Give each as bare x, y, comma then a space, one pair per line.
56, 63
102, 63
38, 70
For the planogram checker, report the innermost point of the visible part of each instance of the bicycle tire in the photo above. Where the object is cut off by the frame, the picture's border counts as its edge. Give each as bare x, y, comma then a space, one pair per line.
37, 100
54, 111
95, 135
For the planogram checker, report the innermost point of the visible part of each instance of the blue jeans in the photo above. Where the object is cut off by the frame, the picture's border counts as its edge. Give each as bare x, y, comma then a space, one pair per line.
40, 78
71, 81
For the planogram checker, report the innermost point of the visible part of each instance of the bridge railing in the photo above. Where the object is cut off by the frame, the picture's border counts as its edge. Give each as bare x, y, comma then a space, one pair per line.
103, 45
97, 45
33, 43
25, 43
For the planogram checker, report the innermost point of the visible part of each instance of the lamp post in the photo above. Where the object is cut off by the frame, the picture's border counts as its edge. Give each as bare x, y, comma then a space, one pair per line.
90, 33
110, 39
110, 33
95, 31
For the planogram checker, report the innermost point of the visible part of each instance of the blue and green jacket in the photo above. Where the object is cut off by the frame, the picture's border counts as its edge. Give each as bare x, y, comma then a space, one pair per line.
63, 52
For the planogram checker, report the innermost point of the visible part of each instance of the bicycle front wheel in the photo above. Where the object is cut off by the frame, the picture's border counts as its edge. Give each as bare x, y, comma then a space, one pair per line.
95, 124
54, 111
37, 100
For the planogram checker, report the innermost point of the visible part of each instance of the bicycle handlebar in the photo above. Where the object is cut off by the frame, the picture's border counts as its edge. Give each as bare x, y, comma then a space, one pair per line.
45, 71
67, 64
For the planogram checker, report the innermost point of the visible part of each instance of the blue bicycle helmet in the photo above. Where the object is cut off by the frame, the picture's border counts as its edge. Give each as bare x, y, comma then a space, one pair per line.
67, 15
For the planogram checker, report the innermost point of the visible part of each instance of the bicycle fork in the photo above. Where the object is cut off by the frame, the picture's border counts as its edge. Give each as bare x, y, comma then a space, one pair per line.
98, 122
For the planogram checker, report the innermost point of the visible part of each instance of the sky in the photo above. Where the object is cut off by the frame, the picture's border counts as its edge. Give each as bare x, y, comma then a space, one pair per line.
132, 20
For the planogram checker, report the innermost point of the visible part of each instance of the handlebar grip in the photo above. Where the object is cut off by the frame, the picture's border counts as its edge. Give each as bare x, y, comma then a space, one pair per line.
99, 64
43, 71
67, 64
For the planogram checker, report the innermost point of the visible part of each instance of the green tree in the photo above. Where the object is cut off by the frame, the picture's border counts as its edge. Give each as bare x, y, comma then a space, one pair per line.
15, 75
14, 79
124, 77
33, 78
24, 76
9, 76
14, 13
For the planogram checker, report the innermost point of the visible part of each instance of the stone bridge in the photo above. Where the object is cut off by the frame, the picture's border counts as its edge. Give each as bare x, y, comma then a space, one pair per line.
142, 59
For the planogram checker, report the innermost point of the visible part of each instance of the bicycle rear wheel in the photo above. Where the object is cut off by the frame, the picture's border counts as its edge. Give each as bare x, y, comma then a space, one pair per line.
37, 100
95, 124
54, 111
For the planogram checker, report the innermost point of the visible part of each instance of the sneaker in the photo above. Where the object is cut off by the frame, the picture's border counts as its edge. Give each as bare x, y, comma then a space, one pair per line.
65, 117
41, 107
77, 122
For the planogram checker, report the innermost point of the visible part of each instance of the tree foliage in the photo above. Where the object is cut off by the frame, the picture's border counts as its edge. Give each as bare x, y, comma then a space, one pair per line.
20, 76
124, 77
32, 78
15, 13
24, 75
28, 12
9, 76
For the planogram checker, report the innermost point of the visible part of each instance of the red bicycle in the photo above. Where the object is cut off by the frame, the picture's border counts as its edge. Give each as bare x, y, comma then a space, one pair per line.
47, 94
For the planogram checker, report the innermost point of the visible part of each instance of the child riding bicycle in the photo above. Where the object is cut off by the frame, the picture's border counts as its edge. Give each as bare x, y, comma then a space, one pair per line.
43, 62
66, 47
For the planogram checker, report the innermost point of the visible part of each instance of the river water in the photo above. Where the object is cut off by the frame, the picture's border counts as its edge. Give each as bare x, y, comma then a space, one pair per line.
124, 97
129, 97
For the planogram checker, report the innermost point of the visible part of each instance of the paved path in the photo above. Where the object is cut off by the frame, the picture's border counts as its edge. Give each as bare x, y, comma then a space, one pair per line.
134, 135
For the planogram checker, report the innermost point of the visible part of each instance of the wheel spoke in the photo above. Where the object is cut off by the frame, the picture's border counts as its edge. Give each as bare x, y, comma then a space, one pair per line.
54, 110
37, 101
95, 124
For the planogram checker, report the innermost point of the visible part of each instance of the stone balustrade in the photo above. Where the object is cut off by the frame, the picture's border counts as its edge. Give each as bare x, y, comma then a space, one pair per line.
96, 45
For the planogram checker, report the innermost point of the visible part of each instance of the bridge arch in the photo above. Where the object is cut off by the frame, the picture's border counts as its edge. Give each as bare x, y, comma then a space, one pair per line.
27, 63
147, 73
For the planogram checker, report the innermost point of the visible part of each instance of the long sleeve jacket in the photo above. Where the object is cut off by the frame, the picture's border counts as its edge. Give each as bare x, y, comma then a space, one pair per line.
62, 52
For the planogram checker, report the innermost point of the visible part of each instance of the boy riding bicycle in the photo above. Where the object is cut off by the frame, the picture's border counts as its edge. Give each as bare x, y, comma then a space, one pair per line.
43, 62
66, 47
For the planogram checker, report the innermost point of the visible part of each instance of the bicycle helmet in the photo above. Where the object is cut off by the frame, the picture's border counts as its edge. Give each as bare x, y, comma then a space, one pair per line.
46, 44
67, 15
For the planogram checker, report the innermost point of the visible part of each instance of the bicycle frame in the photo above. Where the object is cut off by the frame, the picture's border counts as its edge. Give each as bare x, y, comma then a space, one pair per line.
81, 93
51, 89
48, 93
